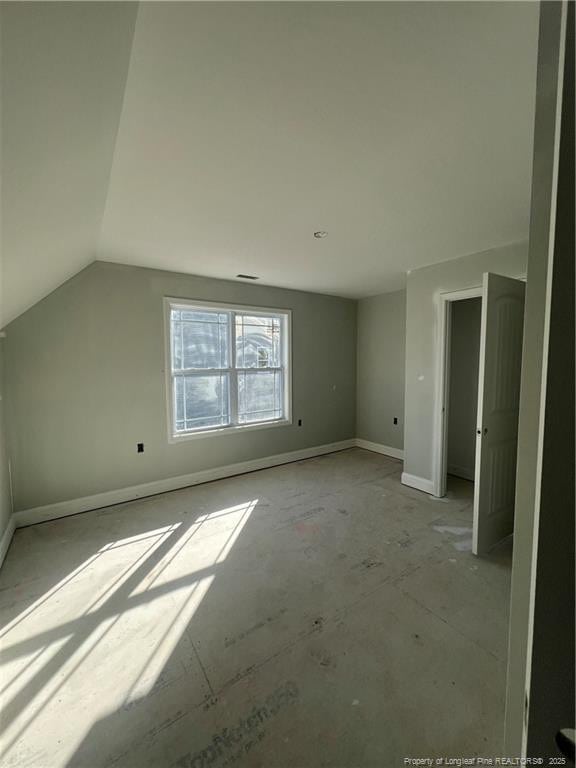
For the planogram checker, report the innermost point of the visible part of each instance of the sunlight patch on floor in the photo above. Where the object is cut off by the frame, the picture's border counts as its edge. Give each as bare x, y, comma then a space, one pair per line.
101, 638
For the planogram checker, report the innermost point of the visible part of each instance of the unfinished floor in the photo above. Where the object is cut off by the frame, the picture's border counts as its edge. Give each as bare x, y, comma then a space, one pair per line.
314, 614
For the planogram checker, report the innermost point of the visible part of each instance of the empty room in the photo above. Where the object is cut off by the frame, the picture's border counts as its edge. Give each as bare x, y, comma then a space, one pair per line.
286, 384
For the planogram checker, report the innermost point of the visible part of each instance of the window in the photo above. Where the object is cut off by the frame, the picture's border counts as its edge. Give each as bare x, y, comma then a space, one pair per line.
228, 367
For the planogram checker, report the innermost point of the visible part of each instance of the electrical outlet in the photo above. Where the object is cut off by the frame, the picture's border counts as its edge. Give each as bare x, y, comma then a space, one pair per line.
140, 447
395, 420
299, 422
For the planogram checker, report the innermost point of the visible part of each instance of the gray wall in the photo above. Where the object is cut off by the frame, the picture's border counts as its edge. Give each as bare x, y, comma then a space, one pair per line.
85, 380
422, 316
551, 700
552, 679
533, 356
5, 501
463, 392
541, 665
381, 362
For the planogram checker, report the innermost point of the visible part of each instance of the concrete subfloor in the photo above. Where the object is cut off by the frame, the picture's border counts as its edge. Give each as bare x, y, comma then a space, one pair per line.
313, 614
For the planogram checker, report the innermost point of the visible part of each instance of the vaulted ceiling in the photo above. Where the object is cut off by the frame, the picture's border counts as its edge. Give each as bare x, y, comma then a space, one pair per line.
216, 138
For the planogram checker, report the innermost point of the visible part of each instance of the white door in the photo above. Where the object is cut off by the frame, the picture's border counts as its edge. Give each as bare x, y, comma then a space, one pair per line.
498, 401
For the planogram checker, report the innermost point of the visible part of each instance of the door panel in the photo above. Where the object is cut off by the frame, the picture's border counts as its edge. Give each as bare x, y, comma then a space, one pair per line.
498, 401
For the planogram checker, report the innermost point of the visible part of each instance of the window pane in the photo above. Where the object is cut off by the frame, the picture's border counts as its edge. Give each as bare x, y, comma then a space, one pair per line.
199, 339
259, 396
201, 401
257, 341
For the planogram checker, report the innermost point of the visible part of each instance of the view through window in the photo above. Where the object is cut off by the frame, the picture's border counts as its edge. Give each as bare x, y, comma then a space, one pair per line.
229, 367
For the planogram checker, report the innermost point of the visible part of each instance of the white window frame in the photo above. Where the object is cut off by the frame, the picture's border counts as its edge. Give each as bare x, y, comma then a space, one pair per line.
286, 365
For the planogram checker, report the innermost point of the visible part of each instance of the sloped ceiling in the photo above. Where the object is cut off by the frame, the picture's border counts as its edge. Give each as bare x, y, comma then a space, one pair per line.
63, 69
215, 138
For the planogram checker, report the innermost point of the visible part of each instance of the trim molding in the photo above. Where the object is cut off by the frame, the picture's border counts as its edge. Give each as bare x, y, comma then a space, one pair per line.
34, 515
387, 450
420, 483
439, 450
6, 539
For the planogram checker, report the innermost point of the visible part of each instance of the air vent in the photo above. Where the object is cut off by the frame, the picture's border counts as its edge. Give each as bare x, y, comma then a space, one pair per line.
248, 277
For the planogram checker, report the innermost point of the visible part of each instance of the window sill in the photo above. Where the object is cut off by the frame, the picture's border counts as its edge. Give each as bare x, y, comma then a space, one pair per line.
237, 429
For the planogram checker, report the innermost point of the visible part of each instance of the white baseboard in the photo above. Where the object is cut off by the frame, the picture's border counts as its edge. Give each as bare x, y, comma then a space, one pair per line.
387, 450
7, 538
109, 498
420, 483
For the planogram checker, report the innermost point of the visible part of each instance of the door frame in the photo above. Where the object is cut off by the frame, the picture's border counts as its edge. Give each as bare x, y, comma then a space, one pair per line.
440, 453
439, 448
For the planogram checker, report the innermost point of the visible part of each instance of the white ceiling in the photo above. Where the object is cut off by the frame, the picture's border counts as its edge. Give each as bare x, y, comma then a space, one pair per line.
403, 129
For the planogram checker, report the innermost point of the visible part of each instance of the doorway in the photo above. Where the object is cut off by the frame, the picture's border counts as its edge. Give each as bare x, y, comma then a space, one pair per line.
462, 395
487, 413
